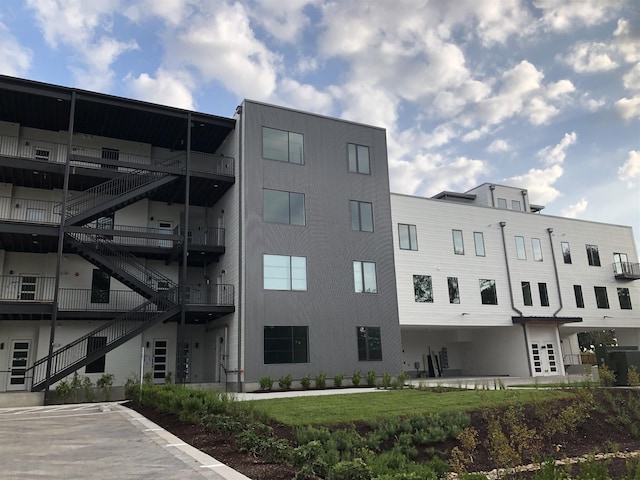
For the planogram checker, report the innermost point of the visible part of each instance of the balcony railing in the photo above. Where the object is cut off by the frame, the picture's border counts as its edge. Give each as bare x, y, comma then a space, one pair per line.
626, 270
29, 210
26, 288
74, 299
213, 294
203, 235
91, 157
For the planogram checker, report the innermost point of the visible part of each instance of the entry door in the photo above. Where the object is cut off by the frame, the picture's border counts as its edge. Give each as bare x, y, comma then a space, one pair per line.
160, 359
544, 359
28, 284
18, 360
165, 228
620, 262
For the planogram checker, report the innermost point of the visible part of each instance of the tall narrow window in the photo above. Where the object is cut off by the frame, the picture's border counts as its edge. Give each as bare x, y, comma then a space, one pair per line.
408, 237
93, 344
521, 251
454, 291
364, 277
577, 291
358, 158
515, 205
282, 145
544, 295
478, 239
593, 256
422, 289
566, 252
100, 287
526, 294
458, 242
624, 298
488, 292
602, 300
288, 344
361, 216
502, 203
621, 263
369, 344
536, 246
283, 207
282, 272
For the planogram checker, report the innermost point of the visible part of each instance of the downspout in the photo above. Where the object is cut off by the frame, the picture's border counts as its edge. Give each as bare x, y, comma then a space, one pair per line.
185, 254
555, 270
525, 203
240, 257
493, 195
63, 211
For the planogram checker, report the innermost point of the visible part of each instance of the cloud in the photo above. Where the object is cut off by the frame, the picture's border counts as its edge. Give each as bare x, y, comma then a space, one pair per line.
167, 88
564, 14
295, 94
591, 104
172, 12
631, 79
365, 103
630, 170
628, 108
15, 59
572, 211
539, 183
283, 19
498, 145
555, 155
628, 40
590, 57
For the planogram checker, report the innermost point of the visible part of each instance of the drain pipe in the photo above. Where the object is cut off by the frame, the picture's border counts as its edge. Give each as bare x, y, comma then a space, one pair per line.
555, 270
240, 257
493, 195
525, 203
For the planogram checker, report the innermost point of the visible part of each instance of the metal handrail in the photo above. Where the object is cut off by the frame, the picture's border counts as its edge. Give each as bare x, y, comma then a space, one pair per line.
626, 268
213, 294
35, 289
29, 210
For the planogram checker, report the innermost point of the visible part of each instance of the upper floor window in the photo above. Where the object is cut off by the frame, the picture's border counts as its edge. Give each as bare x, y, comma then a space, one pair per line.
544, 295
488, 292
286, 344
282, 272
515, 205
624, 298
526, 294
364, 277
454, 291
361, 216
577, 291
422, 289
282, 145
593, 256
408, 237
458, 242
502, 203
566, 252
521, 252
369, 343
283, 207
478, 239
621, 263
602, 300
536, 246
358, 158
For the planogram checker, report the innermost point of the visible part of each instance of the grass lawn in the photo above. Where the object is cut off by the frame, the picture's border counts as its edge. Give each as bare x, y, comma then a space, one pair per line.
335, 409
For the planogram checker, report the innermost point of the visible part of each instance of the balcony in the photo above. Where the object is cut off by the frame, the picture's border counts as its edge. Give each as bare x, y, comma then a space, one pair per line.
626, 270
29, 210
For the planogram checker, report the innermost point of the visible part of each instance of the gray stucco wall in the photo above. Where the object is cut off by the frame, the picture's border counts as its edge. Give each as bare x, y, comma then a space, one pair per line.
330, 307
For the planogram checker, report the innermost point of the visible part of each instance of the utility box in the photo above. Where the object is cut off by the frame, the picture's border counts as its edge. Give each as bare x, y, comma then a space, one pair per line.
618, 360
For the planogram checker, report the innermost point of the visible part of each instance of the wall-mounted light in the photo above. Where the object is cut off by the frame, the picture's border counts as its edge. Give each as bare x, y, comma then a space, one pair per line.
17, 205
606, 316
148, 344
2, 346
10, 272
464, 313
197, 344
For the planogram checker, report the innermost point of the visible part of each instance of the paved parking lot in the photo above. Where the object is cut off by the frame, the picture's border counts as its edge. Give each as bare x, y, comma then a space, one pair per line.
97, 441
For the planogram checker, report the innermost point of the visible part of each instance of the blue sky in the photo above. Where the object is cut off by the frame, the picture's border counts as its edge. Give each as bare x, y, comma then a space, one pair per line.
541, 94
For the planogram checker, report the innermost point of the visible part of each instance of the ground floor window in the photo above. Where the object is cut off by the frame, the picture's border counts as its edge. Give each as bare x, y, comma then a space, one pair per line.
93, 344
286, 344
369, 343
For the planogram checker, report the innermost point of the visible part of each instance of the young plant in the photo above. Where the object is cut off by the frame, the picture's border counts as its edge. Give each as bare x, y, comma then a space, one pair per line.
63, 390
266, 383
285, 382
633, 376
76, 385
607, 377
386, 380
337, 379
371, 378
355, 378
321, 380
306, 382
87, 387
402, 378
105, 382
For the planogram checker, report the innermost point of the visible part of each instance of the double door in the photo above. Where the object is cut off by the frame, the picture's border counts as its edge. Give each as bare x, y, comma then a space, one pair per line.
544, 359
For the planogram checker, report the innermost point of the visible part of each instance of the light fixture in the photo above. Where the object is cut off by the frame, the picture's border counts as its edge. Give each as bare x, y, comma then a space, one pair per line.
464, 313
606, 316
17, 205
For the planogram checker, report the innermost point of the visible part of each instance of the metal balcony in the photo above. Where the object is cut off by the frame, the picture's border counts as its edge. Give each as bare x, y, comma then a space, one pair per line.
626, 270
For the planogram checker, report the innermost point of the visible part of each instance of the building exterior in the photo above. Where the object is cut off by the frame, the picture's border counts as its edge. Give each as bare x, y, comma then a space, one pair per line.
137, 239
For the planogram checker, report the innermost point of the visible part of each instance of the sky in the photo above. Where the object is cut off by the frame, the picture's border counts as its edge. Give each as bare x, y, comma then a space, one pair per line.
540, 94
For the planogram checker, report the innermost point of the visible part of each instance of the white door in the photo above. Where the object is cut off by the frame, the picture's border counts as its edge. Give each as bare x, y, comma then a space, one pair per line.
28, 286
620, 262
18, 362
165, 228
160, 360
544, 359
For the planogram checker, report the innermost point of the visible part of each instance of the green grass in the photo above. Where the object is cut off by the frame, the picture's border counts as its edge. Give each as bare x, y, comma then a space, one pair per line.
346, 408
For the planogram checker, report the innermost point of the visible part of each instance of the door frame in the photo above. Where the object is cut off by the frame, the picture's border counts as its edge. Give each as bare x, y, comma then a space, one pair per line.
159, 380
23, 386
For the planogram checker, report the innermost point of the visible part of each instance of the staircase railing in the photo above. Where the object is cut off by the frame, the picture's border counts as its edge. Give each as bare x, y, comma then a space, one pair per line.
115, 332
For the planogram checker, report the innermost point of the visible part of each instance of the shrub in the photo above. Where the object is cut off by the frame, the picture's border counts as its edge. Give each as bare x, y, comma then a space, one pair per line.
321, 380
337, 379
105, 382
633, 376
168, 378
386, 380
402, 378
306, 382
87, 387
63, 391
371, 378
355, 378
75, 385
266, 383
462, 456
350, 470
285, 382
607, 377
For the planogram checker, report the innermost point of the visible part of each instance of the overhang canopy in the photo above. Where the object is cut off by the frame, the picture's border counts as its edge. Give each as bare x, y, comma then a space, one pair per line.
546, 320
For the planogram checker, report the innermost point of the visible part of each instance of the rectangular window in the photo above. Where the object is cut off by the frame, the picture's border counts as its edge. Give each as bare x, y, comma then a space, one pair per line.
361, 216
454, 291
282, 272
458, 242
369, 344
526, 294
515, 205
488, 292
602, 300
42, 154
282, 145
593, 256
520, 248
286, 344
478, 239
364, 277
502, 203
100, 286
536, 246
358, 158
566, 252
544, 295
577, 291
422, 289
624, 298
93, 344
283, 207
408, 237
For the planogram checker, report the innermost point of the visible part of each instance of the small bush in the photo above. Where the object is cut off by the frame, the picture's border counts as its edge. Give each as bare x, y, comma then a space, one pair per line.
350, 470
402, 378
266, 383
386, 380
306, 382
355, 378
285, 382
607, 377
105, 382
371, 378
87, 388
337, 379
168, 378
321, 380
633, 376
63, 391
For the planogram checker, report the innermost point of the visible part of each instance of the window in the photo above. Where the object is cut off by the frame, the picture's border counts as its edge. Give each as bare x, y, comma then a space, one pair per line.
478, 239
408, 237
526, 294
515, 205
369, 344
364, 277
283, 207
93, 344
624, 298
282, 145
100, 286
601, 297
566, 252
286, 344
620, 263
35, 214
458, 242
593, 256
577, 291
358, 158
282, 272
520, 249
422, 289
454, 291
42, 154
544, 295
361, 216
537, 249
502, 203
28, 287
488, 292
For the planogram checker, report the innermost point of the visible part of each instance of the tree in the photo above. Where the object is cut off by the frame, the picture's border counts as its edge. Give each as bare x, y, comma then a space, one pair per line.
596, 338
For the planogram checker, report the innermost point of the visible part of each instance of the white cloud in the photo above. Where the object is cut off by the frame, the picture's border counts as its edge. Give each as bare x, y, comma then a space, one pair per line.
498, 145
283, 19
539, 183
304, 97
15, 59
172, 12
167, 88
498, 20
628, 108
630, 170
631, 79
591, 104
364, 103
565, 14
590, 57
572, 211
555, 155
628, 40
